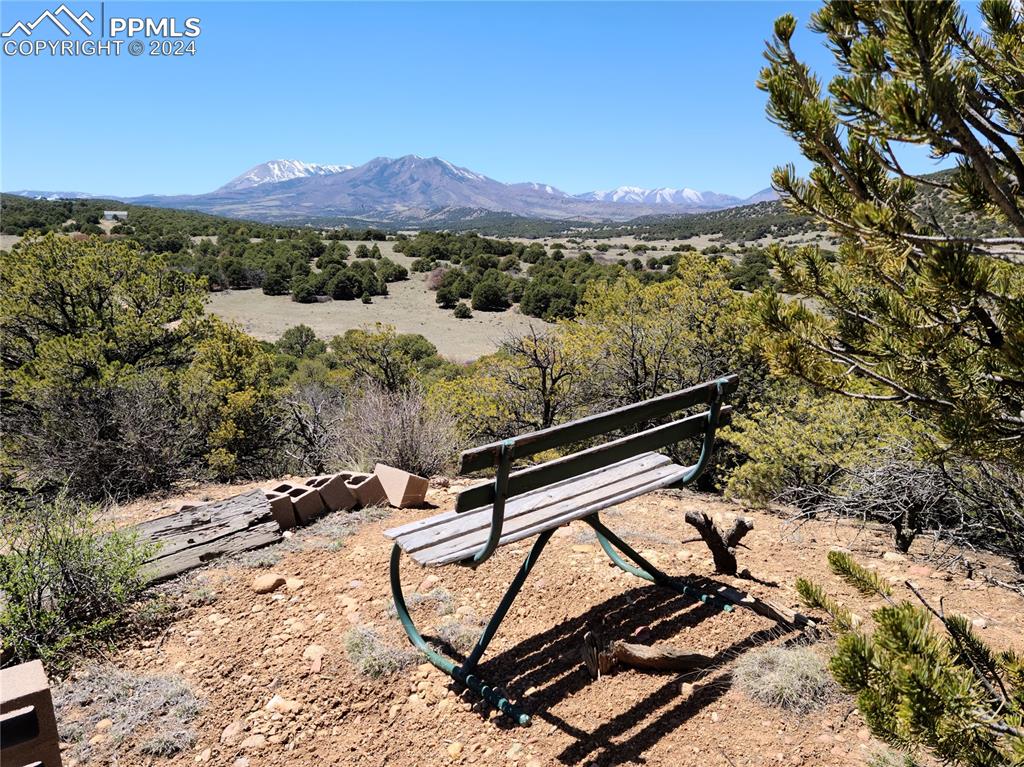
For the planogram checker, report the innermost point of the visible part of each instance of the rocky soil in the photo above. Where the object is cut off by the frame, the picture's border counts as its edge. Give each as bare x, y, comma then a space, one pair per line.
268, 644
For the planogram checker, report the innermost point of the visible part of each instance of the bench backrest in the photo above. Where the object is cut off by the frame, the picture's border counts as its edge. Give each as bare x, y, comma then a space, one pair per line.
515, 483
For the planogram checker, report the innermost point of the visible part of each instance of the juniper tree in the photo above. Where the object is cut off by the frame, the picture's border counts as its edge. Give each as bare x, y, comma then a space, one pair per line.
912, 310
944, 690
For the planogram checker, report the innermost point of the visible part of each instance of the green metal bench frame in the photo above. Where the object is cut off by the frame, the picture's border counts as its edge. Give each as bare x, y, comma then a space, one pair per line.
507, 484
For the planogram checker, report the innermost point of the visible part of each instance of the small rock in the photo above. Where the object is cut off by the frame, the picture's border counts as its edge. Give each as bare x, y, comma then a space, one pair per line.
978, 623
583, 548
714, 716
104, 724
641, 634
97, 739
240, 762
281, 705
892, 556
454, 749
534, 763
315, 655
264, 584
254, 742
204, 756
515, 750
428, 583
230, 735
294, 584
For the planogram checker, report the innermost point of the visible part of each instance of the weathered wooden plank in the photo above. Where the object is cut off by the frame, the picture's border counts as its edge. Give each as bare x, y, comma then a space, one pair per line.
537, 519
257, 536
591, 426
197, 535
552, 500
547, 524
634, 464
590, 459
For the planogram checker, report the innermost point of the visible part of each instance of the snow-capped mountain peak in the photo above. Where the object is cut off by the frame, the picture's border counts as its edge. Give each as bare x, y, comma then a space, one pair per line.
275, 171
639, 196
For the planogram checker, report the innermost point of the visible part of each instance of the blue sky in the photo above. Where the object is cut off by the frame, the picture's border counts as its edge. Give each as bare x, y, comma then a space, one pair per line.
582, 96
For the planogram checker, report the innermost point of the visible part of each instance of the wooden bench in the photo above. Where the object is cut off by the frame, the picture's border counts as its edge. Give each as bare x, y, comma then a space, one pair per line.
536, 500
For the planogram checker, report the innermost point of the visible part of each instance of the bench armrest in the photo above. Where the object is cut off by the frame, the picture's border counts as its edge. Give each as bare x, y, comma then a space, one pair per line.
500, 491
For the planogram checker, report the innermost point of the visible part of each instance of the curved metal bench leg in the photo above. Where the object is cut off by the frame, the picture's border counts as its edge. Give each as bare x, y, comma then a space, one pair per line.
610, 541
465, 673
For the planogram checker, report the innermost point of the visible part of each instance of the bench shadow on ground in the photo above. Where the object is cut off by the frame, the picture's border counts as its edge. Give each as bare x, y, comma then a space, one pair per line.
551, 663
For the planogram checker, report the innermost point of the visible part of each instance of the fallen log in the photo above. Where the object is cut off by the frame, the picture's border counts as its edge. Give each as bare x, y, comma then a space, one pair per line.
601, 659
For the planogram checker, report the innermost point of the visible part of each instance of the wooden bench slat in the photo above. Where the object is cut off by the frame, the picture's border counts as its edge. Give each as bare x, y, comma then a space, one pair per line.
588, 460
655, 482
639, 463
457, 537
436, 529
486, 456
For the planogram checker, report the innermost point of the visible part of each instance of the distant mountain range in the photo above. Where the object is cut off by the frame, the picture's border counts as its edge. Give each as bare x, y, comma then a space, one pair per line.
413, 189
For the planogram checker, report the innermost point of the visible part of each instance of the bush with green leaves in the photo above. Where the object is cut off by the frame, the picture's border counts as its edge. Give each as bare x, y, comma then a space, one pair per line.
924, 678
94, 335
796, 439
67, 584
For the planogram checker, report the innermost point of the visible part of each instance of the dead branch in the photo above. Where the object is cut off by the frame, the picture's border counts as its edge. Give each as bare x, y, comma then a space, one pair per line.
721, 542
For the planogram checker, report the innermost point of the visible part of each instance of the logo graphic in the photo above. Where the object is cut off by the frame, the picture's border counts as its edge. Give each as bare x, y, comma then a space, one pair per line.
53, 16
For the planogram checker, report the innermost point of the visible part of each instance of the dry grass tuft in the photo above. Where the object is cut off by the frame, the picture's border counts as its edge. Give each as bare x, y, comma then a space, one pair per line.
160, 706
441, 599
460, 636
793, 678
373, 656
890, 758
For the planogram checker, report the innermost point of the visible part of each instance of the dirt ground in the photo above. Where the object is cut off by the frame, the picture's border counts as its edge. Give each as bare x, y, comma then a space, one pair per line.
237, 649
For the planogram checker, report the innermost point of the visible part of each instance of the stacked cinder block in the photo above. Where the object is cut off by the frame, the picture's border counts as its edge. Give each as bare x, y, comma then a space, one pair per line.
282, 508
299, 504
28, 727
334, 491
306, 501
367, 489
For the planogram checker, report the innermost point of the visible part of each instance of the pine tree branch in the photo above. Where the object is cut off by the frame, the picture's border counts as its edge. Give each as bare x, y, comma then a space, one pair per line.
1001, 699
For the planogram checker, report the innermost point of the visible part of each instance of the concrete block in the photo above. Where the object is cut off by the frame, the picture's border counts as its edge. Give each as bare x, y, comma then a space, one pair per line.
335, 493
282, 508
367, 489
28, 727
306, 501
404, 490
